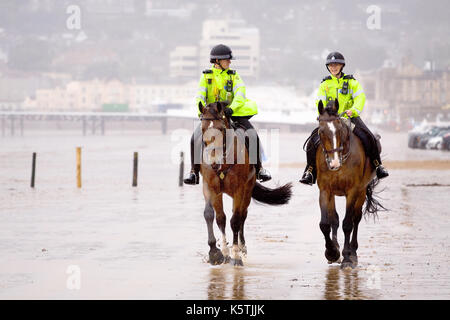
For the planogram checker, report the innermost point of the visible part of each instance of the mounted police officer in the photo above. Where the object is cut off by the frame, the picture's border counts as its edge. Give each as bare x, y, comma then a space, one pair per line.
351, 99
220, 83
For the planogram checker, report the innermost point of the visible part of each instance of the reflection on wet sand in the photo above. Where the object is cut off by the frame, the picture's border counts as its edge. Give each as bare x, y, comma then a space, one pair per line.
219, 286
238, 285
216, 284
332, 283
351, 289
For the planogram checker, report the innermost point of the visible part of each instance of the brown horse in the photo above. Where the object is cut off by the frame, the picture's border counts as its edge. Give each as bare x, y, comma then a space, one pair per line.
343, 169
237, 179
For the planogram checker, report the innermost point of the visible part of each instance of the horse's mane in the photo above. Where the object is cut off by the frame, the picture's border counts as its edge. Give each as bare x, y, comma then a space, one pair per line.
213, 109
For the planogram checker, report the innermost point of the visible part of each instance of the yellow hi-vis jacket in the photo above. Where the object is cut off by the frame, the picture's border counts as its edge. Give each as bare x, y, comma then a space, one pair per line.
217, 85
354, 99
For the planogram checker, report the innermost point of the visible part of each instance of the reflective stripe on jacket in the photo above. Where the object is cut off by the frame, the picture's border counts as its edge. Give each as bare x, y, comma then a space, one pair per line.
213, 87
354, 100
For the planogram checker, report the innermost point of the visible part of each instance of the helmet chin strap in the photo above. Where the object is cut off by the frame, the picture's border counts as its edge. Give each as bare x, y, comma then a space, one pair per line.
340, 71
220, 65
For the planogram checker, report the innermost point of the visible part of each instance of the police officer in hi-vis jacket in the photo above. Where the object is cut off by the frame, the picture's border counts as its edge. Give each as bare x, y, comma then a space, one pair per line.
220, 83
351, 100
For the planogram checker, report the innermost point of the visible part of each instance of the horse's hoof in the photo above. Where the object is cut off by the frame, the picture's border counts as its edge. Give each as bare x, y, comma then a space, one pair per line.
346, 265
237, 262
332, 255
244, 253
354, 260
215, 257
227, 259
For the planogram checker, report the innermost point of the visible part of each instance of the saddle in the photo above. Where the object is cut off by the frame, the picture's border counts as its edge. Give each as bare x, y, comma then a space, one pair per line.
240, 133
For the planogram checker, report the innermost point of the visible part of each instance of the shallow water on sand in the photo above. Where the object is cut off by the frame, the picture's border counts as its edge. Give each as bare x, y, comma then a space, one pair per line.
150, 242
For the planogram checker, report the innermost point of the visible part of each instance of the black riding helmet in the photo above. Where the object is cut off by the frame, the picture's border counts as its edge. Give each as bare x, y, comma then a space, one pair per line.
220, 52
335, 57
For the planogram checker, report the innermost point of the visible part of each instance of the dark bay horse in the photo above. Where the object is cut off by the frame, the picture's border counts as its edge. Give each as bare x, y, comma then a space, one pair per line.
343, 169
237, 179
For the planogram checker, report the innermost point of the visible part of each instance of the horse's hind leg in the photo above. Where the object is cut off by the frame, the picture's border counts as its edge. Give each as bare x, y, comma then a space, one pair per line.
242, 246
356, 219
328, 210
243, 210
352, 215
215, 256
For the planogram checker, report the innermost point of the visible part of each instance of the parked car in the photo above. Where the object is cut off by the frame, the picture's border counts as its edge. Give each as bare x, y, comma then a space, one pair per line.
424, 138
436, 142
413, 135
446, 141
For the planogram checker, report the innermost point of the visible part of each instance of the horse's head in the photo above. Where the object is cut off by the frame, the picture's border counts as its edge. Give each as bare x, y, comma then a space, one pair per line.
333, 134
213, 116
214, 125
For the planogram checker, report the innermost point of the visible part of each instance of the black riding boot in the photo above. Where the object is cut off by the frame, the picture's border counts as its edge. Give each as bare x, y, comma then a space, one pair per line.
370, 146
310, 174
193, 176
261, 174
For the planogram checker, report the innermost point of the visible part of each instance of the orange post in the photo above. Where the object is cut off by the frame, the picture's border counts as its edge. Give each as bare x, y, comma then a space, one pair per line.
79, 167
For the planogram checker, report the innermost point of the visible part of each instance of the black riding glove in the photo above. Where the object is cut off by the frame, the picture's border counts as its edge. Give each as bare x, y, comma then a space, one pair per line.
228, 112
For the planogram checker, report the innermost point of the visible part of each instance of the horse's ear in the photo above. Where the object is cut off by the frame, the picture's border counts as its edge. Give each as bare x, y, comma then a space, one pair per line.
224, 104
320, 106
336, 105
221, 105
200, 107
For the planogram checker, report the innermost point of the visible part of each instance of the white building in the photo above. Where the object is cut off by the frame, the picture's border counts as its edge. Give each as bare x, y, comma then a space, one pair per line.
243, 41
147, 98
184, 62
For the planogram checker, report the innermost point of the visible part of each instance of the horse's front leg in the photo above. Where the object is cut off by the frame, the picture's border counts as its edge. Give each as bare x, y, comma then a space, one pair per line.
328, 214
215, 256
221, 219
237, 225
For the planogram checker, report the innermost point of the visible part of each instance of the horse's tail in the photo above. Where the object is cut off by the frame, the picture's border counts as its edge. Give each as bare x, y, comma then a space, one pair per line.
277, 196
372, 204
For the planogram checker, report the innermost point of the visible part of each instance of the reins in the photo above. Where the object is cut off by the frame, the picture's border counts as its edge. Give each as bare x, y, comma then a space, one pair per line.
221, 173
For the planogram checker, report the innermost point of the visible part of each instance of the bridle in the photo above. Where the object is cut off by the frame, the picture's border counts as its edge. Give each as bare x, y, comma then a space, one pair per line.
220, 173
339, 150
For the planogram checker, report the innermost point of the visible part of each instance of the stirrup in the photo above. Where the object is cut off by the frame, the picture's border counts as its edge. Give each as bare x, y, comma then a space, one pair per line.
307, 178
381, 172
263, 175
192, 178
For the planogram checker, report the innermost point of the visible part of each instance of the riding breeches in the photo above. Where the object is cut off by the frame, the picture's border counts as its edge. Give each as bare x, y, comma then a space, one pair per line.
367, 138
361, 131
196, 141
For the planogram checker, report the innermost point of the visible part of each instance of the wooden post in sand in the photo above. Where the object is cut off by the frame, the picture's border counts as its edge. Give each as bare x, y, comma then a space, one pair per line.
33, 169
180, 177
79, 167
135, 168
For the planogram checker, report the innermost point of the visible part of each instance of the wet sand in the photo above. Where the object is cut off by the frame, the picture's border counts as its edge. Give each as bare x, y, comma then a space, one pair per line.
150, 242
